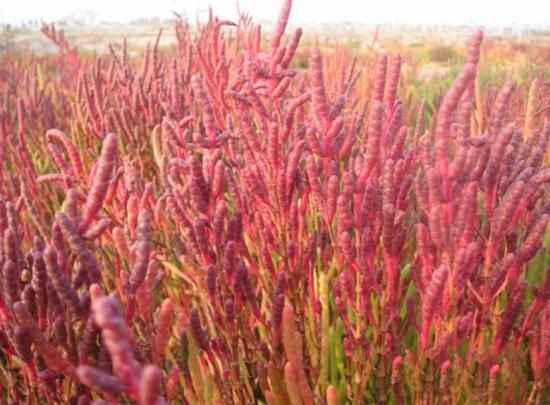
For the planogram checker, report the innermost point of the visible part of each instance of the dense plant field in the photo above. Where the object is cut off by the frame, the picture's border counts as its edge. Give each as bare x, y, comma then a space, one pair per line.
214, 224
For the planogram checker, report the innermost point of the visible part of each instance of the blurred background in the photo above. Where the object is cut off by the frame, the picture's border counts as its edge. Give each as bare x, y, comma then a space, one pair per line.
429, 34
493, 13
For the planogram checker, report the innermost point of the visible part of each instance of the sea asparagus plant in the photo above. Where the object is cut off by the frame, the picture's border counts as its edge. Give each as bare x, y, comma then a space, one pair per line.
213, 224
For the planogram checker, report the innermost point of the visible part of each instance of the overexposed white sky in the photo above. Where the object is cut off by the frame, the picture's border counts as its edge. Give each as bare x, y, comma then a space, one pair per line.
494, 13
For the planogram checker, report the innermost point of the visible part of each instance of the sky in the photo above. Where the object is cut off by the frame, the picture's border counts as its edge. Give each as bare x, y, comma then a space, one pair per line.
489, 13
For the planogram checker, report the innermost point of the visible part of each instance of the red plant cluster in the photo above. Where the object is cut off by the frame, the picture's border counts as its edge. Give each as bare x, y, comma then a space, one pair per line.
213, 225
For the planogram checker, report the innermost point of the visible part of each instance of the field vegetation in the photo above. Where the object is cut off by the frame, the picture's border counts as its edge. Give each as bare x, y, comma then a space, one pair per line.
247, 217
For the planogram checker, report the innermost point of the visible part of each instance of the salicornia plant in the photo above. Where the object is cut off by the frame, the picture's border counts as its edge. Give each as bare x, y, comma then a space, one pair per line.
212, 224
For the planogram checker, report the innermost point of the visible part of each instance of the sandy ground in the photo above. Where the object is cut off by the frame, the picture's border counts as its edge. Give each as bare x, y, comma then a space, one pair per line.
98, 36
